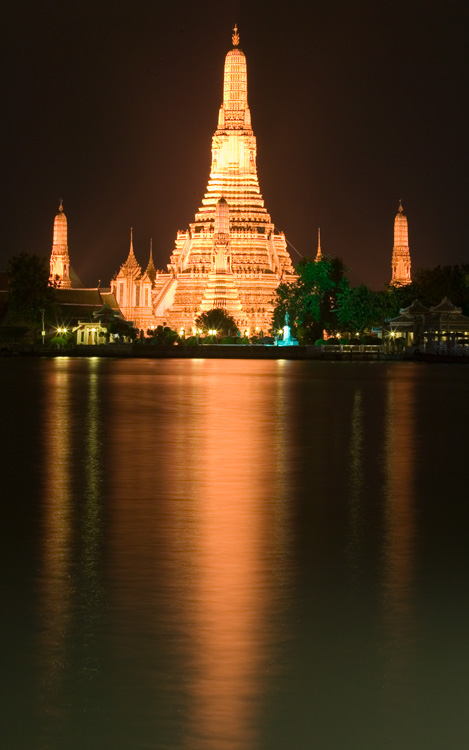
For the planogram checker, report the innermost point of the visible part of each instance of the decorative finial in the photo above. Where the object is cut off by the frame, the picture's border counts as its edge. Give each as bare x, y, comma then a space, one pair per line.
235, 36
61, 208
319, 252
400, 206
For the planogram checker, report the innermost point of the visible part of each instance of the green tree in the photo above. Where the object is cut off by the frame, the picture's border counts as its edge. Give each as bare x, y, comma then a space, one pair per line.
163, 335
432, 284
29, 291
219, 320
394, 297
359, 308
311, 300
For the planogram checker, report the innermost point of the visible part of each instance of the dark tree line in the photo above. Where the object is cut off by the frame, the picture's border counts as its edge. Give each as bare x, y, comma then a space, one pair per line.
322, 300
30, 294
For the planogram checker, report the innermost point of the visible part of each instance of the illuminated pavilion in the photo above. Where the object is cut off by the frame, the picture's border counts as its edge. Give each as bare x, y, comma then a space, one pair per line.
231, 256
401, 252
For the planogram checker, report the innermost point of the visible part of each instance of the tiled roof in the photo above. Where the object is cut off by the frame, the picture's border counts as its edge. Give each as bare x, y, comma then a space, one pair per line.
80, 304
446, 306
416, 308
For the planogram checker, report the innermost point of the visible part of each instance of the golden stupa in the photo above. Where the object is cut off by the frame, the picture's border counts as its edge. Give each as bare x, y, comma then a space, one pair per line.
231, 256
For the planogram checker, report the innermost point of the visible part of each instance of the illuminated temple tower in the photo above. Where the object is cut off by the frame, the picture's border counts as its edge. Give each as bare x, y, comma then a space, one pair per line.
59, 259
132, 289
401, 253
231, 256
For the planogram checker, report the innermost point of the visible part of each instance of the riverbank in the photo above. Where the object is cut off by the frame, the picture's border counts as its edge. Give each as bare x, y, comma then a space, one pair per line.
218, 351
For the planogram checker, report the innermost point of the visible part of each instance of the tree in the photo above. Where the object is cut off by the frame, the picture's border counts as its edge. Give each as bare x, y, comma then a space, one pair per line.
163, 335
432, 284
311, 300
217, 319
29, 291
359, 308
394, 297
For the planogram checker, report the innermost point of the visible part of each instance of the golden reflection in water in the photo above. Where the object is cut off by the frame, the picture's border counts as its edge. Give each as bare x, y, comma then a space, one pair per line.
55, 584
356, 472
91, 521
231, 594
399, 530
198, 537
65, 587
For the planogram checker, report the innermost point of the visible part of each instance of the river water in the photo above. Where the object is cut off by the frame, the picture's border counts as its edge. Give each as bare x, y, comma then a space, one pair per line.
234, 555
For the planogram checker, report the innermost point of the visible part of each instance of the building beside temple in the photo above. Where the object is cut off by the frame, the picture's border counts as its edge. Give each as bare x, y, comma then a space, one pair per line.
74, 303
231, 256
401, 252
428, 326
133, 289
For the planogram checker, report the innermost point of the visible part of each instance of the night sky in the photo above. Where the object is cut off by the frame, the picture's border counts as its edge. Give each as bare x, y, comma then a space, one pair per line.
112, 107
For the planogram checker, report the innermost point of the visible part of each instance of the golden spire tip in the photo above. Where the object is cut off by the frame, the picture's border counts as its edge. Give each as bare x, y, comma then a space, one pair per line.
235, 36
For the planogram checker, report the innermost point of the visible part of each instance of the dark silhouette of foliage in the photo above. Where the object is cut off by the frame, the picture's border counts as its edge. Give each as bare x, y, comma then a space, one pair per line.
432, 284
29, 291
311, 300
163, 336
359, 308
217, 319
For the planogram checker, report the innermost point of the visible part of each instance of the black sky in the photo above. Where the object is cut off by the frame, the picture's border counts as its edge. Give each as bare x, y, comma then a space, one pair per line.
112, 106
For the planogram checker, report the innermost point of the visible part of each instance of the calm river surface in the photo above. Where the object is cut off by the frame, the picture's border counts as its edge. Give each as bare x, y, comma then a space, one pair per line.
234, 555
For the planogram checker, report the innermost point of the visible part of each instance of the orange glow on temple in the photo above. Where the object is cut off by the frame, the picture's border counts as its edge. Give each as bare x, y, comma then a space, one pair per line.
231, 256
401, 253
59, 259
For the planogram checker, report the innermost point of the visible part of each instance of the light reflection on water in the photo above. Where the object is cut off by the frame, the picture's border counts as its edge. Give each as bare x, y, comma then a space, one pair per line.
399, 520
232, 555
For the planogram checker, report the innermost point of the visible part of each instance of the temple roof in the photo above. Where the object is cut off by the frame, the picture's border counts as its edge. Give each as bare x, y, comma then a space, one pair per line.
416, 308
402, 319
131, 264
445, 306
79, 304
151, 270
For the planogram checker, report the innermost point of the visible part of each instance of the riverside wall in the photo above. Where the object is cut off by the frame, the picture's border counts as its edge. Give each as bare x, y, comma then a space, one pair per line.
221, 351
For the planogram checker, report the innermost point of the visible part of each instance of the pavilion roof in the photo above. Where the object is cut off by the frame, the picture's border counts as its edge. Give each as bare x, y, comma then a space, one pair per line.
416, 308
445, 306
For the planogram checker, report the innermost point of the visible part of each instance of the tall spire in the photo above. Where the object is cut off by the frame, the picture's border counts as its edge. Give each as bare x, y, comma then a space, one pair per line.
59, 259
131, 249
401, 253
231, 256
234, 112
319, 252
131, 263
151, 270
